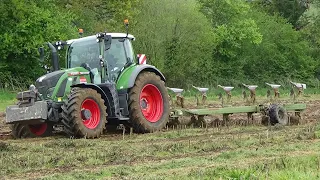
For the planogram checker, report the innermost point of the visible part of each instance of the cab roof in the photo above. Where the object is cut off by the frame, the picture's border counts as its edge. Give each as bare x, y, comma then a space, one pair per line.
113, 35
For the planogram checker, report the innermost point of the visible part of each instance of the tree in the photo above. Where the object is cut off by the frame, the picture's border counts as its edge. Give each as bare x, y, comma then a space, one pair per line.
284, 54
233, 29
25, 26
100, 15
292, 10
311, 32
176, 38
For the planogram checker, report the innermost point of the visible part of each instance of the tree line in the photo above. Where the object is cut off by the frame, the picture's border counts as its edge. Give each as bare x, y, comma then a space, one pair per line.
199, 42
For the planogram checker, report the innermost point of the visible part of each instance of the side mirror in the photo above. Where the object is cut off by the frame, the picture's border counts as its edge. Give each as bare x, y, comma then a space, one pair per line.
41, 52
60, 45
107, 41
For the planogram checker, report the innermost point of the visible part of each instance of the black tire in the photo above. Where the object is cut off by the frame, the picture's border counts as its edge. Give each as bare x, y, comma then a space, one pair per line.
72, 119
278, 114
148, 83
31, 131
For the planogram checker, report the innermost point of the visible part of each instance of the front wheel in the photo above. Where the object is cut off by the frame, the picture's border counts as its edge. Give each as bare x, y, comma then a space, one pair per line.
31, 130
84, 114
148, 103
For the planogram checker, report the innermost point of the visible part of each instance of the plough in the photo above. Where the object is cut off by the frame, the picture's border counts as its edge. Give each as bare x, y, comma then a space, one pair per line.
273, 111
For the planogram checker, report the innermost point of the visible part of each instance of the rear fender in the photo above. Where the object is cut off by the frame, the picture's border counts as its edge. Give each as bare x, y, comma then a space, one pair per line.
129, 75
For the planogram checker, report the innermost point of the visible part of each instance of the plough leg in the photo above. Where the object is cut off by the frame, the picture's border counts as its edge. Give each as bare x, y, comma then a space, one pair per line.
180, 101
250, 117
204, 98
226, 119
197, 121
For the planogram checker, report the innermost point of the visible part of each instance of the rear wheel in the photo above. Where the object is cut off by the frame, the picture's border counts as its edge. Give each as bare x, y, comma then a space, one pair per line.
31, 130
84, 114
148, 103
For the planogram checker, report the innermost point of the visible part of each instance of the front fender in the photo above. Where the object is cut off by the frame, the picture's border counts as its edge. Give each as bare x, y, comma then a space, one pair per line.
62, 88
100, 91
129, 75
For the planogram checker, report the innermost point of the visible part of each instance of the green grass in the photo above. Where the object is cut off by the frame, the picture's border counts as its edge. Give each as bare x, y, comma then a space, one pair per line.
238, 152
6, 98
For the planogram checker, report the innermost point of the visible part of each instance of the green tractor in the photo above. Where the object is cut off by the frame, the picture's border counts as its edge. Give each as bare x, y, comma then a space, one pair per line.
102, 85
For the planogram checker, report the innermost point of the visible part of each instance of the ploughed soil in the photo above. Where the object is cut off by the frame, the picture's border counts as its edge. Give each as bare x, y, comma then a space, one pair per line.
4, 128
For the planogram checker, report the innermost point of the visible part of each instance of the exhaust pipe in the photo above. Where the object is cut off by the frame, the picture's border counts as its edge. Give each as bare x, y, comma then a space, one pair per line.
55, 57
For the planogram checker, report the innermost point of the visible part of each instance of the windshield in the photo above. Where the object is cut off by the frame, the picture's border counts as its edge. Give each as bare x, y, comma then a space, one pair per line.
86, 51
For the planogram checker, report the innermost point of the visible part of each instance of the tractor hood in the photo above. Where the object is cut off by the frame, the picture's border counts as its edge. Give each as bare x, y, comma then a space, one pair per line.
46, 83
55, 84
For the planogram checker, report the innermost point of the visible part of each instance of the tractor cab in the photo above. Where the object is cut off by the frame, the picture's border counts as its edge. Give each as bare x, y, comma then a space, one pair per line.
105, 61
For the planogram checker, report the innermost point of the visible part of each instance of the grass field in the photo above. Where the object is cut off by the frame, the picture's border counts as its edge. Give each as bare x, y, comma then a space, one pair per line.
251, 152
235, 152
6, 98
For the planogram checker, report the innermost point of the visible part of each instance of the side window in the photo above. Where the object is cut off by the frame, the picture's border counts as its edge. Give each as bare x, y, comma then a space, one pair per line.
129, 49
116, 56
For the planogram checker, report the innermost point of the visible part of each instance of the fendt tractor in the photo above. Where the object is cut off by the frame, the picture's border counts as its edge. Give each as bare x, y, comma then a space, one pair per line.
103, 84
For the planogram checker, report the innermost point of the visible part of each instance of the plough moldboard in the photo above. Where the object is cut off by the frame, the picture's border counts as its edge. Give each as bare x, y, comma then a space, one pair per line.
273, 111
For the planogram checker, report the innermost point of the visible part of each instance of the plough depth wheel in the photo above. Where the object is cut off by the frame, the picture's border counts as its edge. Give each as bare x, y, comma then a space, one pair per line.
278, 114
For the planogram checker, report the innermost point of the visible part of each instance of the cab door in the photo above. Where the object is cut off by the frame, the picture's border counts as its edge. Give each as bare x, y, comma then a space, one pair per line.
116, 58
119, 54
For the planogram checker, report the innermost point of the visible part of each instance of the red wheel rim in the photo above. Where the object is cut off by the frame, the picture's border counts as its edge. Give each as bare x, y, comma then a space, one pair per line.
93, 107
38, 129
151, 103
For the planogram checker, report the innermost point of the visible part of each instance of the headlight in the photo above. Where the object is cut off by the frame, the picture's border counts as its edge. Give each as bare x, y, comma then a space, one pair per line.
49, 92
32, 87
